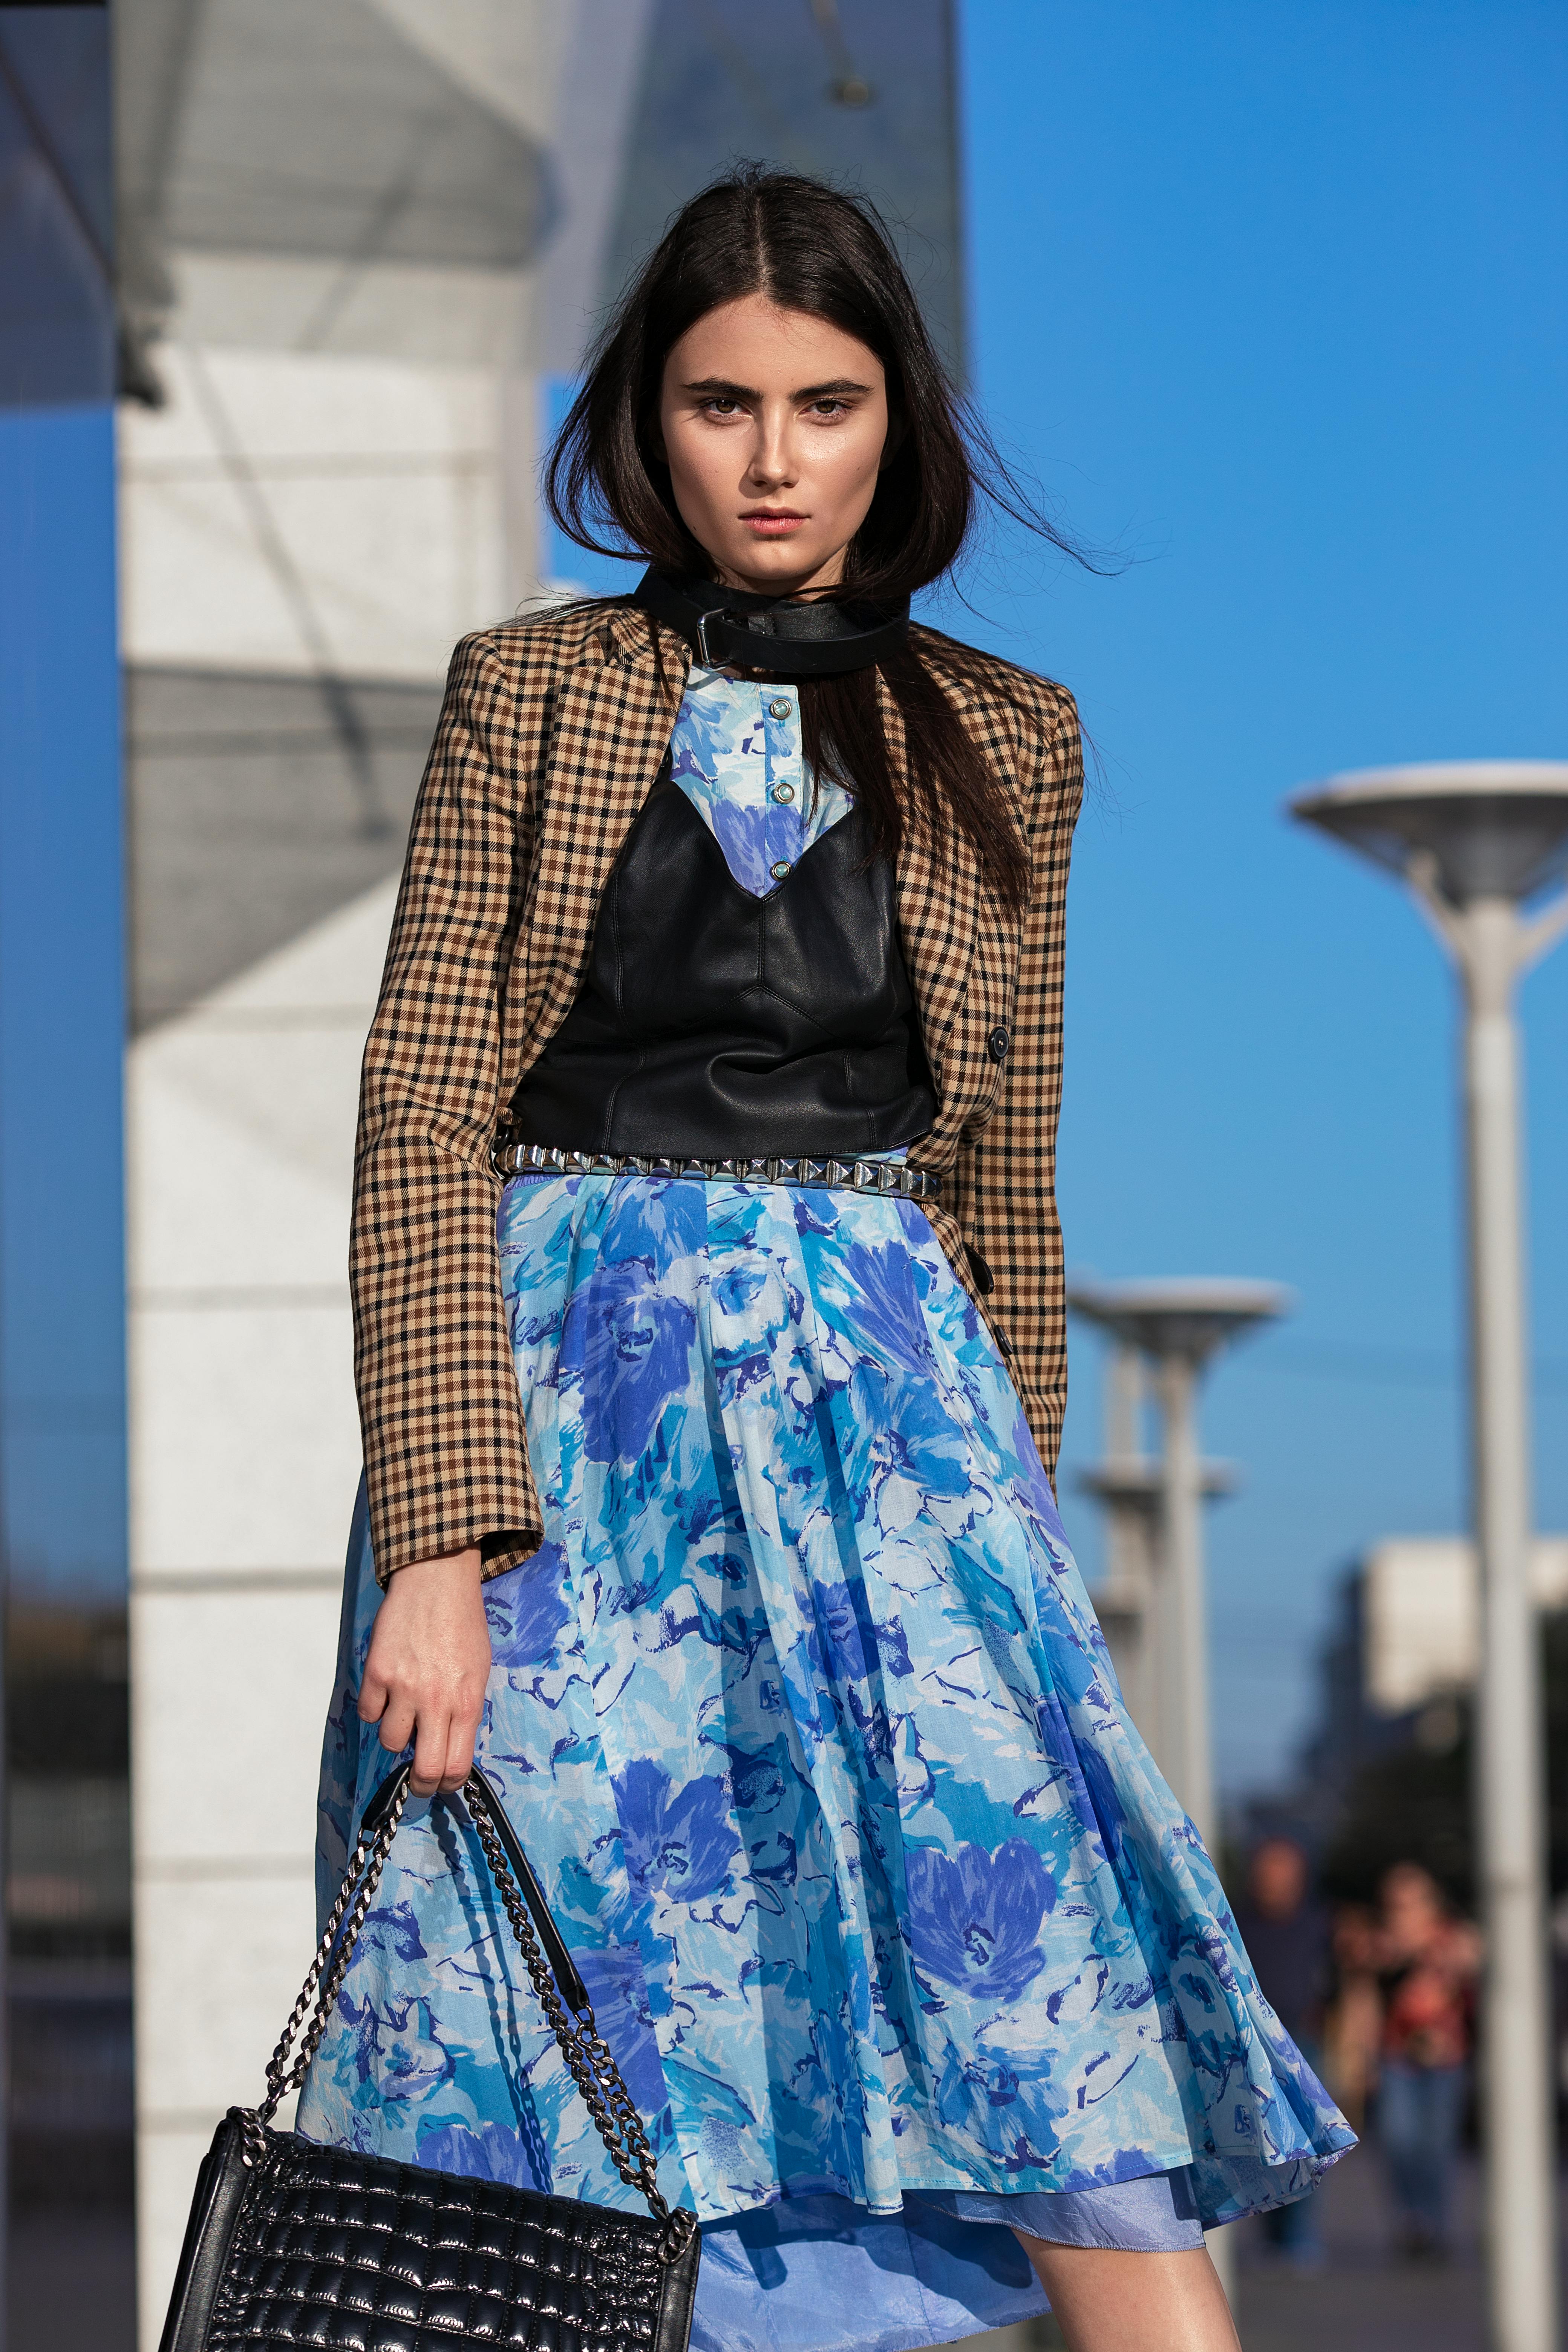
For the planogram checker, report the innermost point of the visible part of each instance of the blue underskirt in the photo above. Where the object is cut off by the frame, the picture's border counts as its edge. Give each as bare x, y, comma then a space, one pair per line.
823, 2275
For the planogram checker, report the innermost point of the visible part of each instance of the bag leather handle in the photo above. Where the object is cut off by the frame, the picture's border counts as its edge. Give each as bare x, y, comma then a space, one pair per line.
563, 1967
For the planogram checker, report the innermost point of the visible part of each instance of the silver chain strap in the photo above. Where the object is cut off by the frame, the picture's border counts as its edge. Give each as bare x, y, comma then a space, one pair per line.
593, 2068
588, 2057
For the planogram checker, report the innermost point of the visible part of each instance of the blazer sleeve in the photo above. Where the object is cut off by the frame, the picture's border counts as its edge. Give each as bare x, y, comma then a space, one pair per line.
445, 1450
1007, 1200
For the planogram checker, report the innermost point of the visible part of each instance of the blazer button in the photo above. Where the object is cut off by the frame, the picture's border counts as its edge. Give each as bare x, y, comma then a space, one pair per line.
984, 1280
996, 1045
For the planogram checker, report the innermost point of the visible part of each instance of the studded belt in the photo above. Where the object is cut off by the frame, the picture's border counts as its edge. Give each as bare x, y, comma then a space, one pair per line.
889, 1178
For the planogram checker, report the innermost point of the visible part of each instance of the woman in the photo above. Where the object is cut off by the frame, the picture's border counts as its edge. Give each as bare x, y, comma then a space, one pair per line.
1427, 1964
706, 1477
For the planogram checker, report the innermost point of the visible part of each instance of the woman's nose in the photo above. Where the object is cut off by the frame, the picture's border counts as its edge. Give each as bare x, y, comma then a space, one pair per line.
770, 464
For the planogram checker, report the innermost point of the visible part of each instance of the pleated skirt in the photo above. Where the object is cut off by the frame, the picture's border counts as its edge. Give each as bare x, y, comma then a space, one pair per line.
804, 1717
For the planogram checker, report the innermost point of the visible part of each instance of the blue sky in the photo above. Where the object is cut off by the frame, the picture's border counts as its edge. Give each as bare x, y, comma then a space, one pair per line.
1273, 300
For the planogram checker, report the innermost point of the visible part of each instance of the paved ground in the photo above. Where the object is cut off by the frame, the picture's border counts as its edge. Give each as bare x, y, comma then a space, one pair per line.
1364, 2299
73, 2284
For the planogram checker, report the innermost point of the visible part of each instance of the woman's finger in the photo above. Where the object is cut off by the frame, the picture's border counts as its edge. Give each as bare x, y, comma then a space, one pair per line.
430, 1751
373, 1695
397, 1724
460, 1737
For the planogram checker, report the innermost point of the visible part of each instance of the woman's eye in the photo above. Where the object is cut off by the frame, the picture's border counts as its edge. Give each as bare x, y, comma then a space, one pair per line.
830, 408
720, 407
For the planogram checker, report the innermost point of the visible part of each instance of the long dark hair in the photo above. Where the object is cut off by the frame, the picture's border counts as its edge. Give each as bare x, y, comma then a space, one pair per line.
808, 247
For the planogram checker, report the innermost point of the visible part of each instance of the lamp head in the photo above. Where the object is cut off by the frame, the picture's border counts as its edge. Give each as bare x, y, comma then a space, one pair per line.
1185, 1318
1490, 828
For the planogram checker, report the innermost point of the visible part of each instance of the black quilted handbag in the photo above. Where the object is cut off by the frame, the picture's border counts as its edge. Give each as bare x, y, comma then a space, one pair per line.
290, 2243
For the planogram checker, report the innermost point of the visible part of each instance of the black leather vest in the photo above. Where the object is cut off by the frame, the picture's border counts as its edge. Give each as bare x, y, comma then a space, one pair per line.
713, 1024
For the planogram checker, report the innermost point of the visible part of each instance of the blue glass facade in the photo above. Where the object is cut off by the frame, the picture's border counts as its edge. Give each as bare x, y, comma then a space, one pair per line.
62, 1357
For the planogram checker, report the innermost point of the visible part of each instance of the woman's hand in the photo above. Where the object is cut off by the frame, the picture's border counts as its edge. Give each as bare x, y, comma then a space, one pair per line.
429, 1661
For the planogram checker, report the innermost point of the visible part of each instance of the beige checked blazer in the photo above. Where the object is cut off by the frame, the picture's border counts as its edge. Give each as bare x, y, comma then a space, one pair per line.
551, 732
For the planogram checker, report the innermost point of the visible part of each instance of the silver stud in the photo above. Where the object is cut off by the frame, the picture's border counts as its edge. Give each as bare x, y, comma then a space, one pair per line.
778, 709
779, 868
784, 792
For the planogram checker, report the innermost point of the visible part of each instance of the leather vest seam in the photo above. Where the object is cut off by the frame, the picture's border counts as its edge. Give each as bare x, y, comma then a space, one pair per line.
612, 907
765, 988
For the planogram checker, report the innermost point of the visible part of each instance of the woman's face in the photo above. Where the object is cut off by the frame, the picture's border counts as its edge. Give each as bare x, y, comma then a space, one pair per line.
1412, 1906
774, 425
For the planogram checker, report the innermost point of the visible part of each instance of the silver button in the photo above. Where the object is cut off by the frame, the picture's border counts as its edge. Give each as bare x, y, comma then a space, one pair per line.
784, 792
779, 709
779, 868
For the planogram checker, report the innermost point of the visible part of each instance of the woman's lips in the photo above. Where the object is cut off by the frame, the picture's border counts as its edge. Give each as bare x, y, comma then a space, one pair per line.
764, 525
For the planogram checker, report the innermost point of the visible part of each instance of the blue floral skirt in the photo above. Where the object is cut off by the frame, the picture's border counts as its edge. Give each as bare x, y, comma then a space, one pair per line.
804, 1717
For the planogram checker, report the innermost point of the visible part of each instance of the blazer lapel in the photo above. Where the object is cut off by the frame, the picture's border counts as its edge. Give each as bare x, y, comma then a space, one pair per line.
612, 718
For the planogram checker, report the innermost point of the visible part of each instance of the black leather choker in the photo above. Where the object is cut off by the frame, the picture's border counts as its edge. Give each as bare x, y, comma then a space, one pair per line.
815, 639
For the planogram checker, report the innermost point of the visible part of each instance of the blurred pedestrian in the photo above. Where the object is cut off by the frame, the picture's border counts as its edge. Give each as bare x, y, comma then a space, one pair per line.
1353, 2028
1426, 1962
1286, 1932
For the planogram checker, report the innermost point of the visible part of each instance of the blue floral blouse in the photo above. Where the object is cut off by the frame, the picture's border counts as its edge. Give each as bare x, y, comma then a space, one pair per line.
737, 755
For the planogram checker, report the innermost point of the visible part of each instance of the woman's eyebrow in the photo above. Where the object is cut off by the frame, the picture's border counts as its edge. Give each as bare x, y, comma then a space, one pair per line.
718, 387
715, 387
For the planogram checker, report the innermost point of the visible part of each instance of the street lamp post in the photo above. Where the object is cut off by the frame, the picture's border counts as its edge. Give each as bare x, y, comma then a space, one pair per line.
1124, 1481
1178, 1326
1134, 1602
1475, 842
